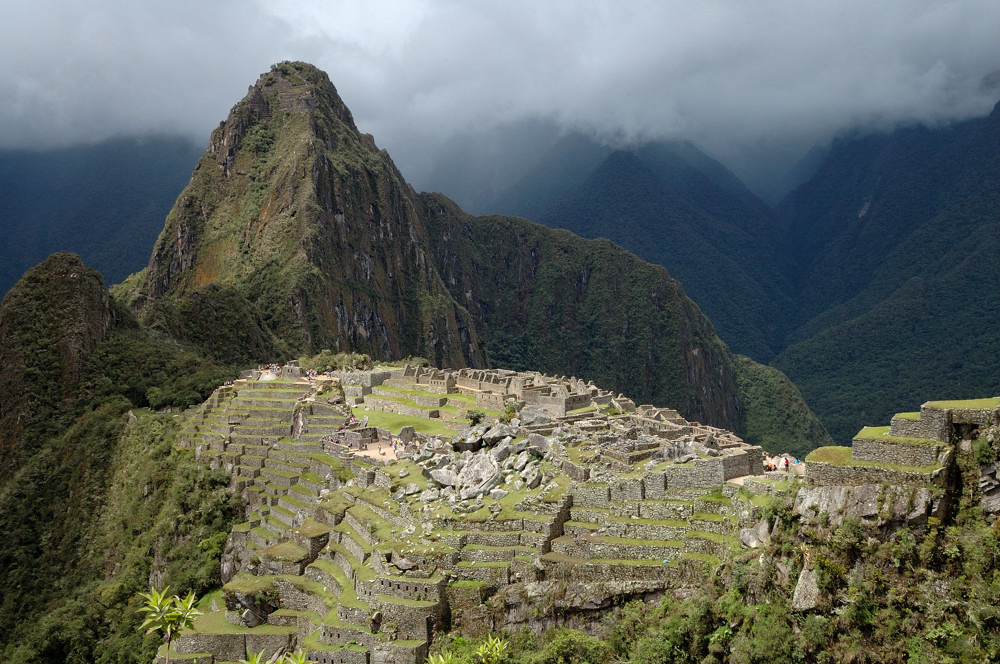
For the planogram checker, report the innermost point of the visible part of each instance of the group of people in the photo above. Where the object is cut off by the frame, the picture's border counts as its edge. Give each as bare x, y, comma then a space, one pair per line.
779, 464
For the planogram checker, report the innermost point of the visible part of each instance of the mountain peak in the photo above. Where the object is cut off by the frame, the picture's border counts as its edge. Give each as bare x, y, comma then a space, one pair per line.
289, 88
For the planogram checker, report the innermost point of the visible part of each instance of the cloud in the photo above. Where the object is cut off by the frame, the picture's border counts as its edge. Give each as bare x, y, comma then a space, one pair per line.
731, 76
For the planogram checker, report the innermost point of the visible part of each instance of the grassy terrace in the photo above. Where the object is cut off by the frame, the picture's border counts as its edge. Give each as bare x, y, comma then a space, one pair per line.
582, 453
604, 539
841, 456
216, 623
914, 416
882, 434
406, 393
393, 422
979, 404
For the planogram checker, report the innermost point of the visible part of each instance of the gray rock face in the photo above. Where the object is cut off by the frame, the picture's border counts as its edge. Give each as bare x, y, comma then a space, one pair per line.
502, 450
532, 477
538, 443
806, 595
532, 415
497, 433
430, 494
407, 434
479, 475
751, 537
522, 460
871, 503
444, 477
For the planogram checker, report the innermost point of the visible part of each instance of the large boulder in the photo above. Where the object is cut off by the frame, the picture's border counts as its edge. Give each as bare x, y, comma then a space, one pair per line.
497, 433
806, 596
445, 477
538, 444
470, 439
479, 475
501, 450
533, 415
871, 503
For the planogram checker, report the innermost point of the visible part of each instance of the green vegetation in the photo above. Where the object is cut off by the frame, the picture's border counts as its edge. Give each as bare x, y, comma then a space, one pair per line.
167, 615
92, 493
775, 415
984, 404
326, 360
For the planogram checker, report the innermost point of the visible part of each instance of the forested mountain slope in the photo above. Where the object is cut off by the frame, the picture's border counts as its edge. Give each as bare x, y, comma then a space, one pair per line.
296, 234
899, 280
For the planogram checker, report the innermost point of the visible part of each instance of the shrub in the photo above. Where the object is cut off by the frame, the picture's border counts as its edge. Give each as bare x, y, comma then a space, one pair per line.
983, 451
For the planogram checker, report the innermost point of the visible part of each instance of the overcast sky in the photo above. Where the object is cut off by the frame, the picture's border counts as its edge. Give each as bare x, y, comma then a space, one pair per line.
732, 76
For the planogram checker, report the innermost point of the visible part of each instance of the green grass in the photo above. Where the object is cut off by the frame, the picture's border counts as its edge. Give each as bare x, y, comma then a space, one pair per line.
248, 584
835, 454
914, 416
978, 404
216, 623
882, 433
841, 456
285, 551
393, 422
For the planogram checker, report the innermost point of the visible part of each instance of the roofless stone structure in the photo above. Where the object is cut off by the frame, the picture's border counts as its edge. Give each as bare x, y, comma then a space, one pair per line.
361, 542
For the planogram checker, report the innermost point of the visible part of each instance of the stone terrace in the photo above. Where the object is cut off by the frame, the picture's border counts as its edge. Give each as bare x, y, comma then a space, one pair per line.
914, 450
359, 558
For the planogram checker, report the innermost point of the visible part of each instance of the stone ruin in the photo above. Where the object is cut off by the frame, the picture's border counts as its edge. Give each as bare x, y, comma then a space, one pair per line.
359, 544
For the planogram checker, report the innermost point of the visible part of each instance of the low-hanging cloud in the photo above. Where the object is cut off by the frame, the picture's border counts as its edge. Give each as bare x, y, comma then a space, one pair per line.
731, 76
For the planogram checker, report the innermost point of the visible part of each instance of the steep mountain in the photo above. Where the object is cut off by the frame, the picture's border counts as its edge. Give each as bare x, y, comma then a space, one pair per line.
105, 202
307, 232
93, 507
719, 242
296, 234
551, 301
899, 285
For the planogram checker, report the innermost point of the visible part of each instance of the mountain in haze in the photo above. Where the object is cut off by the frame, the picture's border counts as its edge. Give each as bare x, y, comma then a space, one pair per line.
296, 233
672, 205
105, 202
898, 277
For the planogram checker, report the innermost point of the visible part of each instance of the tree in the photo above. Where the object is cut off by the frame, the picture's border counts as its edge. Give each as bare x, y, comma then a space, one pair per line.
475, 416
168, 615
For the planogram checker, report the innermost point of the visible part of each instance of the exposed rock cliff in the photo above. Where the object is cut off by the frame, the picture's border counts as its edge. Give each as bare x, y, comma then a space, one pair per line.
549, 300
297, 234
310, 231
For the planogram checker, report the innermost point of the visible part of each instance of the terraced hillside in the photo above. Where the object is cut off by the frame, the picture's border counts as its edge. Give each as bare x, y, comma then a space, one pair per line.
360, 544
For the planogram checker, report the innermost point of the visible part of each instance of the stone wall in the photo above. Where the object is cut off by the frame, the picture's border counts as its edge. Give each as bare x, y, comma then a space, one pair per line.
911, 428
576, 472
590, 495
342, 656
369, 379
934, 424
591, 572
826, 474
696, 474
490, 401
895, 452
625, 489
